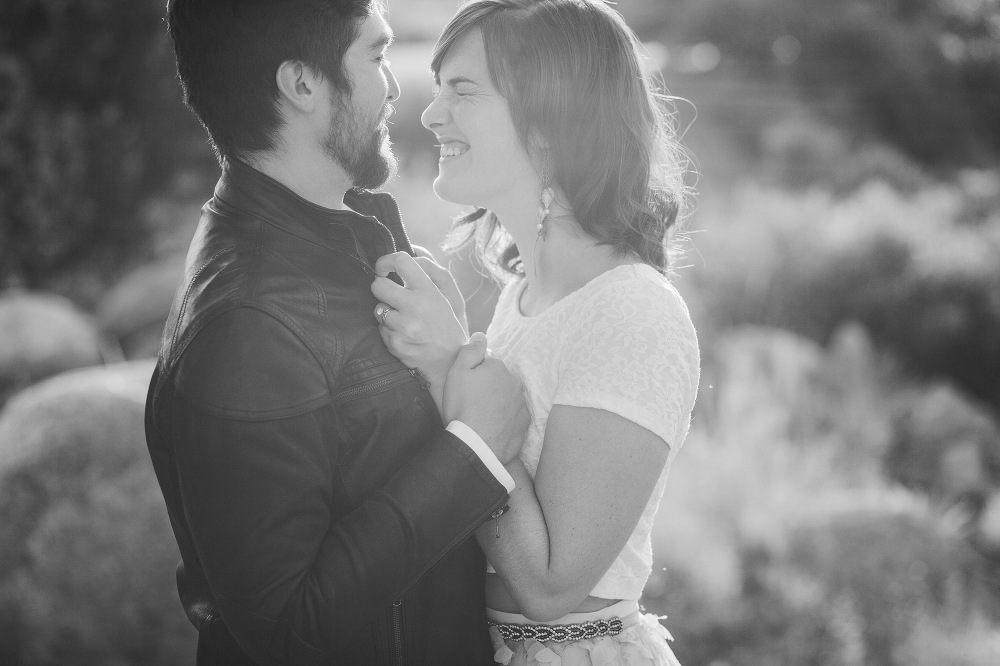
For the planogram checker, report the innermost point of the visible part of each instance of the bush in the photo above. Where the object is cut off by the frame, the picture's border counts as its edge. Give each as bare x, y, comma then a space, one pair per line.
135, 309
87, 555
780, 541
940, 643
921, 279
804, 152
895, 565
918, 75
854, 579
41, 335
945, 445
91, 122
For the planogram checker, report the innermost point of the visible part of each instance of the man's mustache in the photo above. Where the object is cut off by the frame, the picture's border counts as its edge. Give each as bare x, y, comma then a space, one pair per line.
387, 113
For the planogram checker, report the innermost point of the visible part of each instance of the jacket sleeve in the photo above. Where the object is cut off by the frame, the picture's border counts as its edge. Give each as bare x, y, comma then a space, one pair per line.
256, 456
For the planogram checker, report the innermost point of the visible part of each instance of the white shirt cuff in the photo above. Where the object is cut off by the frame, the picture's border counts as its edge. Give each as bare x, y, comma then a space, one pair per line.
478, 446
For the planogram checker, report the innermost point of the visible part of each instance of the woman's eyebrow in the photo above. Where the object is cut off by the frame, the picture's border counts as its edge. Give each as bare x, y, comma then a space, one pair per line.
455, 80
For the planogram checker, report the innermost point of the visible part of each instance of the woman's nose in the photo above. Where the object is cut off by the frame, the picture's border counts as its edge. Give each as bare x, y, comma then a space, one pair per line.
434, 115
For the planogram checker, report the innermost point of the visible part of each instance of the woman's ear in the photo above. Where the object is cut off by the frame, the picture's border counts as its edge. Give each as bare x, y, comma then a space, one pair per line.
538, 152
298, 85
537, 144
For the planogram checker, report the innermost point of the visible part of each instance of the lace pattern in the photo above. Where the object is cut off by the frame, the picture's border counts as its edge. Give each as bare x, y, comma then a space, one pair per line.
624, 343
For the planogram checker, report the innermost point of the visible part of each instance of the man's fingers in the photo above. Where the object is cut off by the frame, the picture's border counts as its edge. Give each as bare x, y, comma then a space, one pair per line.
405, 267
472, 352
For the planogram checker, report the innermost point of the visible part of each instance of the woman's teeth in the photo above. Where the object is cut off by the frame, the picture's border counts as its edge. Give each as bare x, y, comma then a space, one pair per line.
453, 149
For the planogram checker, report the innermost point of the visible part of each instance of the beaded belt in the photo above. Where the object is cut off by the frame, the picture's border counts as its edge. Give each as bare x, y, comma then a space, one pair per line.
560, 632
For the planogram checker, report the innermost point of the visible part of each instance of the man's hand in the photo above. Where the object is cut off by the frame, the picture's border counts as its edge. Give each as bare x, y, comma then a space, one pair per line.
483, 394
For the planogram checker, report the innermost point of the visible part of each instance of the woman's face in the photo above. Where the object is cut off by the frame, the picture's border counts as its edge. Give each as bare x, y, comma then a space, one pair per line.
482, 160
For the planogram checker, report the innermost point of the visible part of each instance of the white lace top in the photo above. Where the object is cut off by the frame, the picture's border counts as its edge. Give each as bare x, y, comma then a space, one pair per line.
623, 343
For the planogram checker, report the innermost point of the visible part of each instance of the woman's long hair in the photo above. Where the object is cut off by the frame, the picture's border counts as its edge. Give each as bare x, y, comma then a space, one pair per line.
572, 74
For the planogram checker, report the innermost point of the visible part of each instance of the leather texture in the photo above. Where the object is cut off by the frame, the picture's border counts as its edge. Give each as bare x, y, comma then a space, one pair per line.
308, 477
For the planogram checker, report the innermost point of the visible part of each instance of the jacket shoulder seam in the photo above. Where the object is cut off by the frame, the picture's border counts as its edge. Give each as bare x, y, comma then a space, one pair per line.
275, 314
187, 291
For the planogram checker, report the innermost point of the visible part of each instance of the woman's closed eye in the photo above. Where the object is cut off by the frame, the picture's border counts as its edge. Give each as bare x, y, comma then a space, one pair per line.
448, 94
457, 90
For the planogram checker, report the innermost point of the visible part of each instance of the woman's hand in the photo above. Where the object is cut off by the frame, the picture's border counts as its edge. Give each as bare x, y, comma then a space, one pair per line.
421, 327
445, 282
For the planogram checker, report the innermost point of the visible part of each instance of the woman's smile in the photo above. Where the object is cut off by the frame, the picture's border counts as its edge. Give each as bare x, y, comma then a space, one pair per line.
468, 110
452, 149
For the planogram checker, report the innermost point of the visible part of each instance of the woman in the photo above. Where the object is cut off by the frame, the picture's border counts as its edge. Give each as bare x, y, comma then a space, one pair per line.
549, 125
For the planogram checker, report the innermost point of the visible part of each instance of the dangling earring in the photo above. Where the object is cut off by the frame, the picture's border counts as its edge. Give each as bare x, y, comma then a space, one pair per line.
547, 196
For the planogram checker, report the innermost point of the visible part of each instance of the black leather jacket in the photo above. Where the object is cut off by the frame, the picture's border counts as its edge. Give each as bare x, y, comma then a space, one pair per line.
323, 513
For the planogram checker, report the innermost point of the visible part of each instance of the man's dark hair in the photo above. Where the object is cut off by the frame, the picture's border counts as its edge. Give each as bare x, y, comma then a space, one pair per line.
228, 53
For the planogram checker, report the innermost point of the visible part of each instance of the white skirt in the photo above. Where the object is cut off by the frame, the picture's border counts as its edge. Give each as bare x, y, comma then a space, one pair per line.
642, 642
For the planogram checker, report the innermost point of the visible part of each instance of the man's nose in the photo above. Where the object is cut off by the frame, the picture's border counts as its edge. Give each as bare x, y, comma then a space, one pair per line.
394, 91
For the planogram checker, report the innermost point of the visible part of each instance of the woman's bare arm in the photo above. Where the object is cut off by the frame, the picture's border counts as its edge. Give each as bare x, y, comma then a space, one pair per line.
562, 532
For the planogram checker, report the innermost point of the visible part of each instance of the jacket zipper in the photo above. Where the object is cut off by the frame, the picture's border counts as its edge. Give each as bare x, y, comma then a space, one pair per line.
397, 629
368, 387
454, 542
397, 605
494, 512
402, 229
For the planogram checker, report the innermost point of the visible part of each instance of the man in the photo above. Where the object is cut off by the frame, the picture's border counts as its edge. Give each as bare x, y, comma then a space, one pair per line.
321, 508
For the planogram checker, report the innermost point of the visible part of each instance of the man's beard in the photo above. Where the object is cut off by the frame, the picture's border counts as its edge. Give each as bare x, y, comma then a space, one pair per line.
361, 148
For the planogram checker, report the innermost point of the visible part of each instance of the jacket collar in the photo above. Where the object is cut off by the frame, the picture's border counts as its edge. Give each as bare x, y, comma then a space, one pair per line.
371, 228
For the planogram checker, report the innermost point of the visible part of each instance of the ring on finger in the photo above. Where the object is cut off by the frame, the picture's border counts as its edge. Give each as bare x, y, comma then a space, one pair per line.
381, 311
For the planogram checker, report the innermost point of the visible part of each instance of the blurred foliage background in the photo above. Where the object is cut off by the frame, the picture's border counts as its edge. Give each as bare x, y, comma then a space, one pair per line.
838, 499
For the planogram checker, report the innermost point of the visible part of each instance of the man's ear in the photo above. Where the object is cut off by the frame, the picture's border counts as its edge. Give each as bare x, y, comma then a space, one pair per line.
298, 85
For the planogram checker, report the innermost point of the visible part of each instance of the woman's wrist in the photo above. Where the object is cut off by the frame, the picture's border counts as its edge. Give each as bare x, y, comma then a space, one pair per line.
519, 473
437, 393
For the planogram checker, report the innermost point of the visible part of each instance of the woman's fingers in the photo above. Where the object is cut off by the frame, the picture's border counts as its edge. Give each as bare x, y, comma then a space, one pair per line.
384, 313
438, 274
423, 253
398, 341
423, 281
430, 266
390, 293
445, 282
422, 328
387, 338
405, 328
473, 352
390, 342
405, 267
386, 263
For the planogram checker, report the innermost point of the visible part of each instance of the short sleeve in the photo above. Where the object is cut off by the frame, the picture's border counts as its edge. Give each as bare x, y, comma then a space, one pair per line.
633, 351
